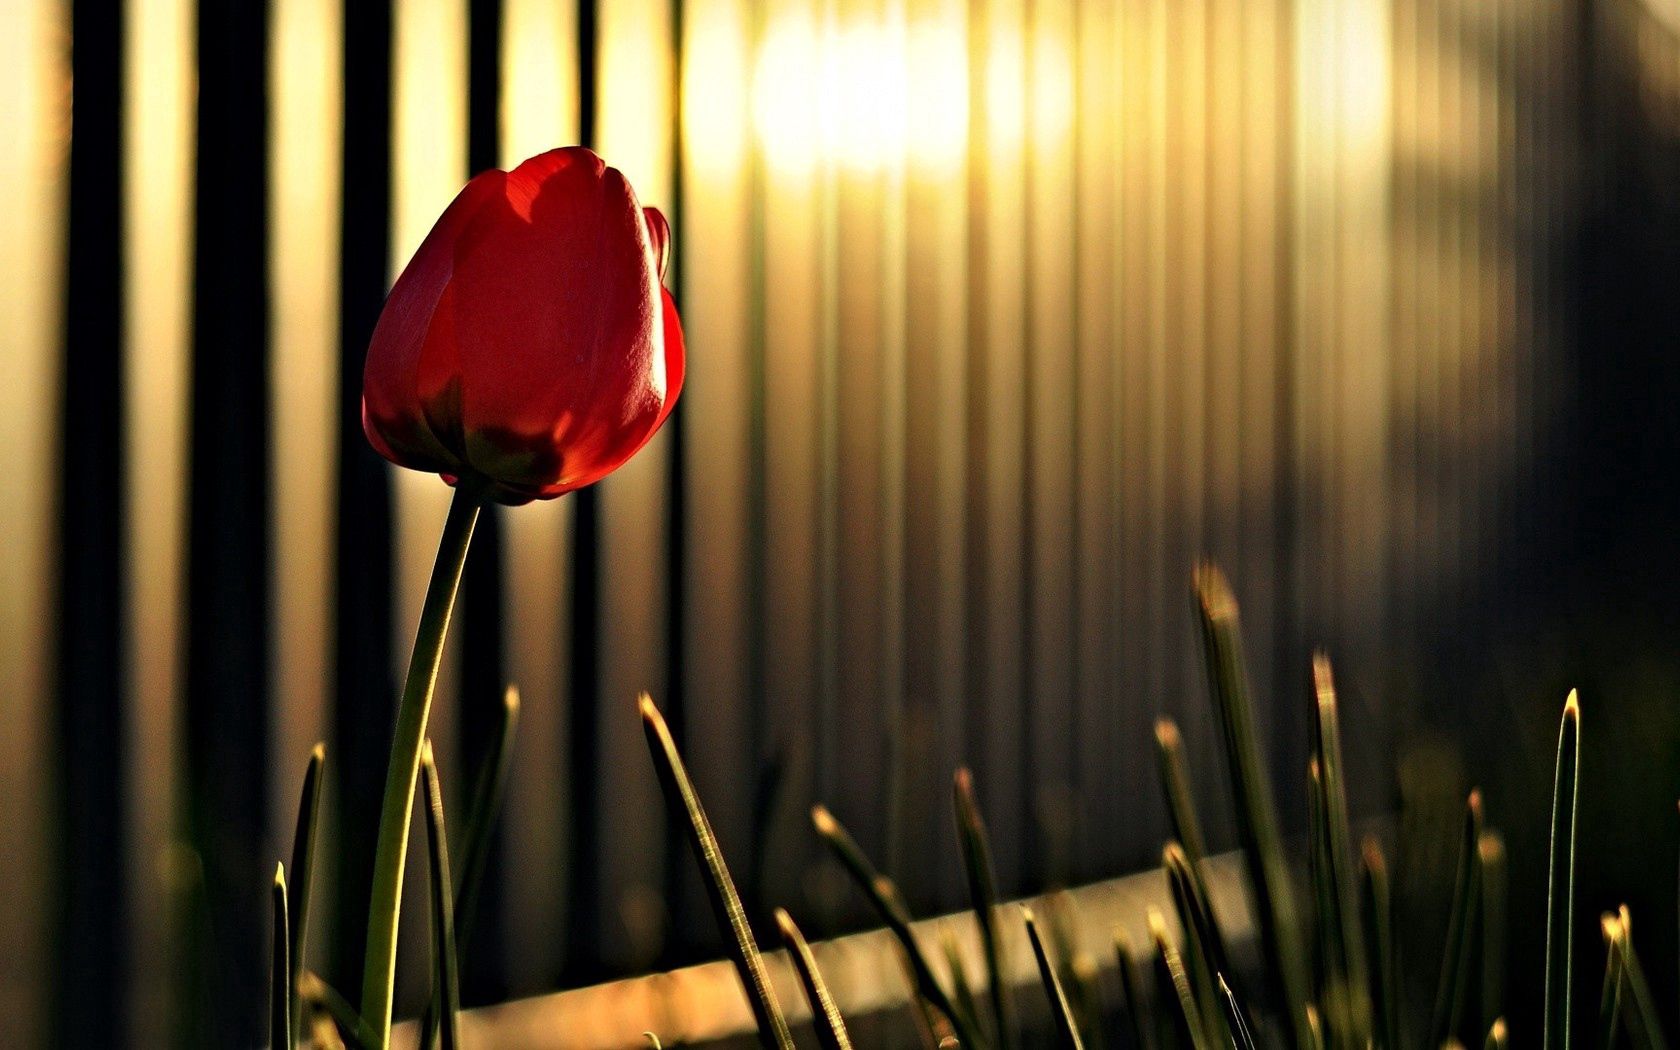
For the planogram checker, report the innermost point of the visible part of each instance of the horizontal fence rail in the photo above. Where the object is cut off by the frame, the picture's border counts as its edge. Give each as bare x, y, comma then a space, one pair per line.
1000, 315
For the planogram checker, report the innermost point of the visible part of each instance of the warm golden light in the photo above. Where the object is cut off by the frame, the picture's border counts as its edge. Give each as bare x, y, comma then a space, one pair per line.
786, 94
715, 89
937, 102
861, 93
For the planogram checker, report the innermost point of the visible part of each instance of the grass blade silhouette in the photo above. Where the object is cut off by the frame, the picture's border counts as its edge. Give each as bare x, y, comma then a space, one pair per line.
1067, 1030
1610, 999
825, 1017
1491, 851
356, 1033
726, 902
1377, 916
1560, 880
962, 990
1173, 983
1257, 823
1235, 1020
983, 898
1131, 991
1201, 962
446, 979
1348, 997
299, 894
1640, 1015
1185, 823
883, 894
489, 789
1461, 921
280, 994
488, 792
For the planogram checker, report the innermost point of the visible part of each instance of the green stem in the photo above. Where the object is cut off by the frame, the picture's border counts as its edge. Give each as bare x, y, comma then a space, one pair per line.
397, 810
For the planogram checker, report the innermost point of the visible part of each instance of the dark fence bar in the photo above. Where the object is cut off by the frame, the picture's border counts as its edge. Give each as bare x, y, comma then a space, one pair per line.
483, 601
92, 990
364, 696
228, 692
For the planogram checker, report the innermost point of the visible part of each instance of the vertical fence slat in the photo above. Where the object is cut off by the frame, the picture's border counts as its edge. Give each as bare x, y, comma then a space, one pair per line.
34, 107
539, 110
935, 409
306, 91
1051, 406
362, 644
229, 690
157, 246
428, 167
635, 122
869, 728
996, 331
795, 729
714, 256
93, 912
1095, 562
1133, 353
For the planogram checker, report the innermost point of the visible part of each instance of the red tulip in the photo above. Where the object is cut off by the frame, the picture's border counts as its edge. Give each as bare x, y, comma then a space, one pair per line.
528, 346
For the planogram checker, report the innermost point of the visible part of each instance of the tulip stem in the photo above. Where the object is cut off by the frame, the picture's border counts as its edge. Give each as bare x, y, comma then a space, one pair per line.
397, 810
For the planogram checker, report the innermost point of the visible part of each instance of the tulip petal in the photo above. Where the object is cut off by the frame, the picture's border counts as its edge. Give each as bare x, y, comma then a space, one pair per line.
659, 233
392, 415
559, 345
675, 356
634, 441
438, 378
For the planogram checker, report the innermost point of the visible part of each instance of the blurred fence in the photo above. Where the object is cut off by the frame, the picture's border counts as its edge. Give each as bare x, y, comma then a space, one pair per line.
1000, 314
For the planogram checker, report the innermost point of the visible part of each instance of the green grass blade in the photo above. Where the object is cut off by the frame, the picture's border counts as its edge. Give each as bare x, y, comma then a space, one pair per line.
1202, 962
1257, 824
1610, 999
962, 989
883, 894
726, 902
356, 1033
1560, 880
1067, 1029
1496, 1037
303, 870
489, 789
1078, 970
1131, 991
881, 890
445, 974
1186, 826
1315, 1030
1172, 982
1175, 785
983, 898
1643, 1024
1235, 1019
280, 968
1491, 850
1324, 939
488, 792
1348, 995
1377, 914
1460, 944
825, 1017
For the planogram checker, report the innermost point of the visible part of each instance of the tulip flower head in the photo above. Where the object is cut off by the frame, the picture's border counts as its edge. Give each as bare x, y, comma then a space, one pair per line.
528, 347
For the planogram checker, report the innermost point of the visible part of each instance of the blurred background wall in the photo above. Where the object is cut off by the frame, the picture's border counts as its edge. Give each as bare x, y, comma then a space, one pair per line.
1000, 314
